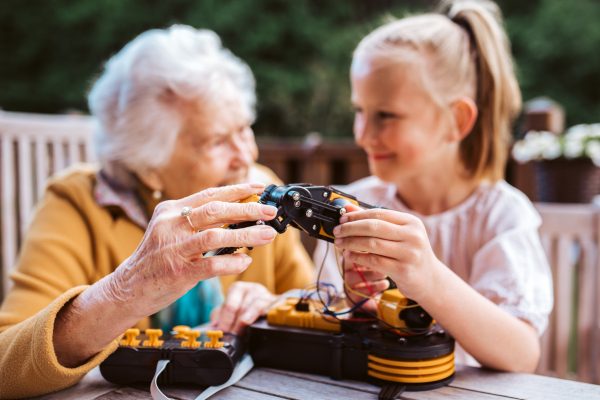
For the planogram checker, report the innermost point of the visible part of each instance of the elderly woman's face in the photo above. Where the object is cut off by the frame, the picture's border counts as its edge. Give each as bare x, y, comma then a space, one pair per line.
214, 148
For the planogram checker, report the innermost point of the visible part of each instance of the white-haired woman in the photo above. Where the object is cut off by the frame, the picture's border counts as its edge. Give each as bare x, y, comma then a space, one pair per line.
109, 249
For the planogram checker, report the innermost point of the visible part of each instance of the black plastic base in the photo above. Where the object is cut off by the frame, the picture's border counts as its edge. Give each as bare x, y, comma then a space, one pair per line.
414, 387
203, 366
342, 355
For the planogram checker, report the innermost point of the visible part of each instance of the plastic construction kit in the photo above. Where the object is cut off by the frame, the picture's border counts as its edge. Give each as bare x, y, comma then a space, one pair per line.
206, 359
398, 347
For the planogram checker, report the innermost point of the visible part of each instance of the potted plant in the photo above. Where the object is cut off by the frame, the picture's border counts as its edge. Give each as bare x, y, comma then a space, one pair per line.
566, 166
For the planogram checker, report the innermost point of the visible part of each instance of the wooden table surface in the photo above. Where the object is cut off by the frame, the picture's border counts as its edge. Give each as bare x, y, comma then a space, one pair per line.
271, 384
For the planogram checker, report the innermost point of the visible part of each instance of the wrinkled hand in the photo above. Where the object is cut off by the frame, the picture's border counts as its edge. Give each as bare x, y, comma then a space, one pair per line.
384, 242
246, 301
169, 262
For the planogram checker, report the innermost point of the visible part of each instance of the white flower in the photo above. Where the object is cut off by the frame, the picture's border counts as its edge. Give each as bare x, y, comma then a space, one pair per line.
593, 151
578, 132
537, 145
595, 131
573, 148
522, 152
552, 150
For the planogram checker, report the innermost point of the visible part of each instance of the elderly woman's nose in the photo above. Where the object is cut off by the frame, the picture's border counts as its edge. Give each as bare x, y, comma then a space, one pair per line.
243, 152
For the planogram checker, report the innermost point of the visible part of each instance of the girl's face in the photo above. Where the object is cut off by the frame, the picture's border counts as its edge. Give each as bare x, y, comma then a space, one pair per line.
402, 129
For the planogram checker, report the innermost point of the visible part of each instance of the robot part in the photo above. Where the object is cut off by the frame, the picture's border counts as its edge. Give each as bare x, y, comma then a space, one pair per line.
314, 209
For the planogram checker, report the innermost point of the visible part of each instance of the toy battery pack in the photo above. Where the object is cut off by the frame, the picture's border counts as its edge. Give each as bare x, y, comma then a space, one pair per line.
415, 362
202, 365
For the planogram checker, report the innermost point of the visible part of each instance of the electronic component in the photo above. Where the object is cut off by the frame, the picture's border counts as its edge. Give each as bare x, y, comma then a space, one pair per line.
287, 314
402, 313
414, 363
313, 209
205, 362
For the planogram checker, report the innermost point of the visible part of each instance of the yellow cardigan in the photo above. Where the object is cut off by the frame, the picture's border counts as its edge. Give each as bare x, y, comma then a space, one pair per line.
73, 242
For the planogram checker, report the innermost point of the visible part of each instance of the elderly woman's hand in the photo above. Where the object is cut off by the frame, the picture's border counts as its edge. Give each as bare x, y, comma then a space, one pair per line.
169, 261
245, 302
167, 264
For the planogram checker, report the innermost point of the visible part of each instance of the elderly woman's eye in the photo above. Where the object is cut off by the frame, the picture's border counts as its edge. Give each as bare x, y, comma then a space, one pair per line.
385, 115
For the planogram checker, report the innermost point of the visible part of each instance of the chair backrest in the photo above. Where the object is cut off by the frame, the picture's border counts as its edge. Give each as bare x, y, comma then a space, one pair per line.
32, 147
570, 346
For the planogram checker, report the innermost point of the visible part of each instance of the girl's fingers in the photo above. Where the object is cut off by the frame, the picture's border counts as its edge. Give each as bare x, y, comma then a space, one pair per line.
352, 277
394, 217
379, 263
372, 245
375, 286
225, 193
218, 213
217, 238
370, 227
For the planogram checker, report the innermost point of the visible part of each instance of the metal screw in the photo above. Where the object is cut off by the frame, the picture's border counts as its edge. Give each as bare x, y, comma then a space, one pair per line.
342, 211
402, 340
325, 194
296, 196
314, 227
297, 204
309, 213
260, 222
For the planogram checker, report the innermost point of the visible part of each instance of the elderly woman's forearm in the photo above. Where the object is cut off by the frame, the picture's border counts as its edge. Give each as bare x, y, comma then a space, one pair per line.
88, 324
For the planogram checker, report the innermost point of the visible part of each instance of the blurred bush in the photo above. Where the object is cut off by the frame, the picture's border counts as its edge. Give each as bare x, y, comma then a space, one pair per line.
299, 51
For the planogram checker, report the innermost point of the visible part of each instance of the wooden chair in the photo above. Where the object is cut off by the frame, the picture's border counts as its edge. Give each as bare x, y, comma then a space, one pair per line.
570, 346
32, 147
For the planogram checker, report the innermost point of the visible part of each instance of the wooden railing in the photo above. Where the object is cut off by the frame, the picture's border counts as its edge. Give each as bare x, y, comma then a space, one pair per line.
570, 234
34, 146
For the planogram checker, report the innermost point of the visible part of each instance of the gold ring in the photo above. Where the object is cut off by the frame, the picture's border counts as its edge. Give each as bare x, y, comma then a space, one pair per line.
185, 212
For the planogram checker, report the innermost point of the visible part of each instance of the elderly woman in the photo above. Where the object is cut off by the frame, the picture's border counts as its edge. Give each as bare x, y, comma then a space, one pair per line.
174, 111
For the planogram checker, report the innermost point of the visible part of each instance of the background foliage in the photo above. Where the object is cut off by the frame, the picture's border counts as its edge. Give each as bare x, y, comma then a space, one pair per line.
299, 51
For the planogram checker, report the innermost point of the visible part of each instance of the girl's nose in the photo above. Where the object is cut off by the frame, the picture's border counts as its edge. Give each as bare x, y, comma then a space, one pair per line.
363, 131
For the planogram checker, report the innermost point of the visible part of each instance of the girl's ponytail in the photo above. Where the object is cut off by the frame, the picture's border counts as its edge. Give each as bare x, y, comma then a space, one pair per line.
498, 94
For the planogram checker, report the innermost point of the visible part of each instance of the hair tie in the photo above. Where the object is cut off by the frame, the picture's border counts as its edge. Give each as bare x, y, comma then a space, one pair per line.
468, 32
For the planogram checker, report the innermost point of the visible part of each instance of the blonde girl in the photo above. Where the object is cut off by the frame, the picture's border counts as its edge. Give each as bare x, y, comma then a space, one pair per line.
435, 97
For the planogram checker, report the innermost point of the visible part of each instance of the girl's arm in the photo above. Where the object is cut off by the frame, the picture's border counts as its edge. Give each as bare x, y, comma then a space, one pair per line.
396, 244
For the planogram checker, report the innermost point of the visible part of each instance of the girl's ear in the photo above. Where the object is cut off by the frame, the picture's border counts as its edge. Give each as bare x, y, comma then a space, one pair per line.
465, 114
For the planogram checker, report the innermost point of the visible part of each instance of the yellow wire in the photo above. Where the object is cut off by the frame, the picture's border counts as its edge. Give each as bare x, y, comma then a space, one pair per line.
364, 295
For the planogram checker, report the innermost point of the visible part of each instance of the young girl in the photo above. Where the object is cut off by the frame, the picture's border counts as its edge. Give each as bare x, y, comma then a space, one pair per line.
435, 96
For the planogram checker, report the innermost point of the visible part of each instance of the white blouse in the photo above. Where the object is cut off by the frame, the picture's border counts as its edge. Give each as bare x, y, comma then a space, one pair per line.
490, 240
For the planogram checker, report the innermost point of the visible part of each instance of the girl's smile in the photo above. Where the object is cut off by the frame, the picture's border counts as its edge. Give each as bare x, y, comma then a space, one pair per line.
381, 156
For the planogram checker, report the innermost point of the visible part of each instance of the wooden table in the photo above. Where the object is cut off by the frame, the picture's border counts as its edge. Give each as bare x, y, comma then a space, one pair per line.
271, 384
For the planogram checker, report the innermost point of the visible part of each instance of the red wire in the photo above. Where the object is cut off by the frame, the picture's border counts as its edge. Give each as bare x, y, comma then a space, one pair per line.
364, 280
359, 320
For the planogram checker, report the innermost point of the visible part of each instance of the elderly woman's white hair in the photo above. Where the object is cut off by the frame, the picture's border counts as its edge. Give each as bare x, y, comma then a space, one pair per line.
135, 99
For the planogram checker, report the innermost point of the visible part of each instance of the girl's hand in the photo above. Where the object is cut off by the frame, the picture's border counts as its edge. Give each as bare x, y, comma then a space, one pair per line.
246, 301
391, 243
169, 262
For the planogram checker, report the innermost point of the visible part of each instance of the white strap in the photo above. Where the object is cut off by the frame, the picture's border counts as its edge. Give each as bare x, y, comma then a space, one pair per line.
238, 373
154, 390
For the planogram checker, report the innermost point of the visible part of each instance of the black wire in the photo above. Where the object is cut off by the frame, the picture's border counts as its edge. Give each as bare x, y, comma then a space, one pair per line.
319, 276
391, 327
357, 306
